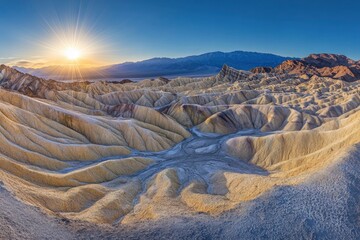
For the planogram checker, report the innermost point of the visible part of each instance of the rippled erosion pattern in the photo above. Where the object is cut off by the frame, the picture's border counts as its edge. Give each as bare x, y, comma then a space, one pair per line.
109, 152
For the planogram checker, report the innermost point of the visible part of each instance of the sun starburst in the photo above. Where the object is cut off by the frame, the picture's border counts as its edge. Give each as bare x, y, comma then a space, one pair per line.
72, 53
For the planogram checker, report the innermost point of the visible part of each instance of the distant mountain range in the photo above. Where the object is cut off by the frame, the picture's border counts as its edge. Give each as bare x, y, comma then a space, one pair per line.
198, 65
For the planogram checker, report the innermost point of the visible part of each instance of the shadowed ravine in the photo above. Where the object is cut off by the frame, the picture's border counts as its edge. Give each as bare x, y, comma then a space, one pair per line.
197, 158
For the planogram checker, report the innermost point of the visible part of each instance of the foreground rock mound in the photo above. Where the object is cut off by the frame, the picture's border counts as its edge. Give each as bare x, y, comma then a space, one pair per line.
123, 152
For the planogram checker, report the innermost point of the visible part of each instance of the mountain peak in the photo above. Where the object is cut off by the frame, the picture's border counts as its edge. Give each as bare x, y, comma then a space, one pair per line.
324, 64
328, 60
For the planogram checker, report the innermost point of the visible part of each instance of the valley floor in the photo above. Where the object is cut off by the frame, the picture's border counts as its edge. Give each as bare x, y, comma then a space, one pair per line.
325, 207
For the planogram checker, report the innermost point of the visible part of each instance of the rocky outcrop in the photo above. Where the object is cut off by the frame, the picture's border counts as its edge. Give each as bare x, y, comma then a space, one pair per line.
258, 70
328, 60
233, 74
325, 65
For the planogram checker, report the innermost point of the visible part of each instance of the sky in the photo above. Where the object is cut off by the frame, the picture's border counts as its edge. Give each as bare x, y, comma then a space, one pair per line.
40, 31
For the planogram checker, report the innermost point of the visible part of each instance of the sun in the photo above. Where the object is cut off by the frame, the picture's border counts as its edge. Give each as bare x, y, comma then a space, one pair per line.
72, 53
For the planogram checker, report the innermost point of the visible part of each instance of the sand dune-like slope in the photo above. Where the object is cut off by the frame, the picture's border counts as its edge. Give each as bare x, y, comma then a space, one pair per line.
120, 153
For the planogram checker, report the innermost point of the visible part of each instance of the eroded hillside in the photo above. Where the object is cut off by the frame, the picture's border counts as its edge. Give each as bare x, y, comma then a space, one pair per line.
125, 152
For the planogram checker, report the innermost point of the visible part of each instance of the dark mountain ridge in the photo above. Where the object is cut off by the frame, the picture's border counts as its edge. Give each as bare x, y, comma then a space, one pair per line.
204, 64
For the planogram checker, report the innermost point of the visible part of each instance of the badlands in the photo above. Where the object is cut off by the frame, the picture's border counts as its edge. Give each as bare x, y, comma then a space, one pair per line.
266, 153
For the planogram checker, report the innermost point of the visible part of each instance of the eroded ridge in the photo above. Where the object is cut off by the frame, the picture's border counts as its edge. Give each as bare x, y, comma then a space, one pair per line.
129, 151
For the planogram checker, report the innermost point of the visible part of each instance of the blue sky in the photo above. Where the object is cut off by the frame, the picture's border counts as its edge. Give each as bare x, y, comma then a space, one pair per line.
135, 30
